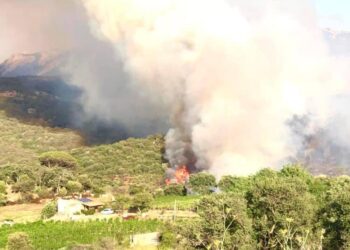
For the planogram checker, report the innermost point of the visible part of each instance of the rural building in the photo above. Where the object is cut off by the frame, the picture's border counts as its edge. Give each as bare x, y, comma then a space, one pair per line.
69, 206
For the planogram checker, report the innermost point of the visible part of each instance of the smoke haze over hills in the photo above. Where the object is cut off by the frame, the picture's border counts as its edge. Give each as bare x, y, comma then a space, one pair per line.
227, 76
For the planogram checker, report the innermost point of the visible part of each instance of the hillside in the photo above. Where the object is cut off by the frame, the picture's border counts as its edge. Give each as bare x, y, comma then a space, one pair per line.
21, 143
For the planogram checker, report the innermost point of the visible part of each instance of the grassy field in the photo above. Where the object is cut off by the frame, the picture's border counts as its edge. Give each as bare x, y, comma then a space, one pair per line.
21, 213
55, 235
21, 143
182, 202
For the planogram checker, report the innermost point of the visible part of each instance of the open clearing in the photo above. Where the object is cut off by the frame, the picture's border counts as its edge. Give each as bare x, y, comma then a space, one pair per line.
21, 213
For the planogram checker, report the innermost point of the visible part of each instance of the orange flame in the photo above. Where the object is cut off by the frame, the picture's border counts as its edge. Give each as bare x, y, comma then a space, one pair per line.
181, 176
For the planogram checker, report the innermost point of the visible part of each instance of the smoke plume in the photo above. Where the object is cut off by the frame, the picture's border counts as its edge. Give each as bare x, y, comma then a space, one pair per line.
231, 74
242, 84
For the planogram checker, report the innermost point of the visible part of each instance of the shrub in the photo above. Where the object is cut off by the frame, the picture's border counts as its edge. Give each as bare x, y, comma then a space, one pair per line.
223, 224
88, 212
2, 187
58, 158
19, 240
283, 212
44, 193
135, 189
49, 210
142, 201
175, 189
235, 184
121, 202
24, 184
168, 240
202, 182
3, 200
74, 187
62, 192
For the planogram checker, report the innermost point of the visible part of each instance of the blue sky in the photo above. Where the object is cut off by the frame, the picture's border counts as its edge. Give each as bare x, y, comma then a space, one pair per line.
333, 13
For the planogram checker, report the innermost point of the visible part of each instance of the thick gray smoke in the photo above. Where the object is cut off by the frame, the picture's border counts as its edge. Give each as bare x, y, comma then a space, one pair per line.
92, 64
229, 76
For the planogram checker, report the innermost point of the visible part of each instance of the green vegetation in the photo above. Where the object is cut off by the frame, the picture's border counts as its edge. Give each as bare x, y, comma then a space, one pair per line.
182, 202
175, 189
19, 240
55, 235
49, 210
201, 183
58, 158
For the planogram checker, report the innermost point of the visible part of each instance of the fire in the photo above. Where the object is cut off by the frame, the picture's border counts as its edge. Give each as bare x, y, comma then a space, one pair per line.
181, 176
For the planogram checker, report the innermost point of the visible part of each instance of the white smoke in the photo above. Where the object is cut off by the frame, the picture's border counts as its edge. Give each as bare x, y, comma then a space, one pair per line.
230, 73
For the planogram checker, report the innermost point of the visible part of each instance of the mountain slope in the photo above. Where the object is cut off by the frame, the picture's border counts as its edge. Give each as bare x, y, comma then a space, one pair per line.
37, 64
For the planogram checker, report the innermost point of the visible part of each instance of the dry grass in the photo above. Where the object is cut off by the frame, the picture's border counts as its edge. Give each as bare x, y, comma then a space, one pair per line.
21, 213
21, 143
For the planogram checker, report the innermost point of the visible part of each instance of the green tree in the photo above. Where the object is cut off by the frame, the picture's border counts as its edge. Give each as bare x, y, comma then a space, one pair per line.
175, 189
224, 224
24, 184
58, 158
2, 187
19, 240
74, 187
142, 201
281, 205
235, 184
202, 182
335, 215
121, 202
49, 210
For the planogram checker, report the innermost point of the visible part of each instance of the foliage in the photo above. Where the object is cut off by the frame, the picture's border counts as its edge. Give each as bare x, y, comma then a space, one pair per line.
182, 202
56, 235
24, 184
2, 187
121, 202
223, 224
3, 199
202, 182
142, 201
278, 204
19, 240
168, 239
74, 187
49, 210
335, 215
175, 189
235, 184
58, 158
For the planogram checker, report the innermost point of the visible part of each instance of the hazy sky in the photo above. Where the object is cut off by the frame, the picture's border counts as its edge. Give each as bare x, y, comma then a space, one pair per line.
333, 13
38, 25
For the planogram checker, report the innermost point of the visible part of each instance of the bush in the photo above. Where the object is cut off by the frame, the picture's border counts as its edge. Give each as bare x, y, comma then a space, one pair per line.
24, 184
175, 189
235, 184
19, 240
283, 212
58, 158
49, 210
88, 212
74, 187
168, 240
3, 200
44, 193
201, 183
142, 201
2, 187
135, 189
62, 192
121, 202
223, 224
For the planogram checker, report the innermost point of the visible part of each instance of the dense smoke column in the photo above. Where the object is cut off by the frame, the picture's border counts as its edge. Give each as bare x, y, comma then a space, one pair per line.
230, 74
